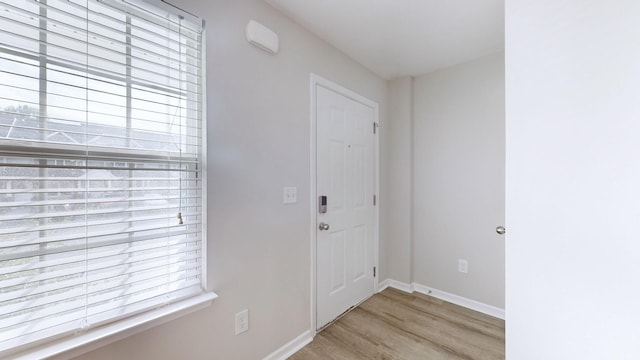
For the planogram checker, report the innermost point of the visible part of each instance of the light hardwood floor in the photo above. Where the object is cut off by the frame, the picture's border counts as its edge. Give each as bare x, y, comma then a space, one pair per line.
396, 325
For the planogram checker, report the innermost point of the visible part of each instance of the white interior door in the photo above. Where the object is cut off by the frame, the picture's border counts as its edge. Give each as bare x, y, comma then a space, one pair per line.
345, 175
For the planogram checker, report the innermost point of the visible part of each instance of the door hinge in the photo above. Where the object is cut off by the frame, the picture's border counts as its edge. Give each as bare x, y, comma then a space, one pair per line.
374, 271
375, 127
374, 200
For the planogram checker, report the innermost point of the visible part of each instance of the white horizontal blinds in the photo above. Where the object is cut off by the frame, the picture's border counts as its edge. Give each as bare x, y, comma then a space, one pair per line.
100, 149
98, 67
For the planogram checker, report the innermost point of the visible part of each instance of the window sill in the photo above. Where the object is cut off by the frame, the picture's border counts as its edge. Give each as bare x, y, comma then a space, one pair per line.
107, 334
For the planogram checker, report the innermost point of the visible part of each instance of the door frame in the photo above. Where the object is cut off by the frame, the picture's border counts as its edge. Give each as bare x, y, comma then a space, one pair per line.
316, 81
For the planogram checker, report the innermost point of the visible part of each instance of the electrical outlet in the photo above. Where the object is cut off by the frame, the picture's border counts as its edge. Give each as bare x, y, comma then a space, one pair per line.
242, 321
463, 266
290, 195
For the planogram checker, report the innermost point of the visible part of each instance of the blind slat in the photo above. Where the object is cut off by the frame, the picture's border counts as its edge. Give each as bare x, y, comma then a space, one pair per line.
71, 321
138, 100
51, 151
114, 236
104, 27
143, 54
76, 264
97, 189
197, 210
94, 304
27, 333
158, 218
71, 279
95, 293
29, 59
65, 59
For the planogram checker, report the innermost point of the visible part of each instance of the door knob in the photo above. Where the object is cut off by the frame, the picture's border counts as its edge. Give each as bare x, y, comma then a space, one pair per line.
501, 230
323, 226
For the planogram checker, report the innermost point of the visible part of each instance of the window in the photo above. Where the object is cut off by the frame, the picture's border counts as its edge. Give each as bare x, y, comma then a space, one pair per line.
101, 137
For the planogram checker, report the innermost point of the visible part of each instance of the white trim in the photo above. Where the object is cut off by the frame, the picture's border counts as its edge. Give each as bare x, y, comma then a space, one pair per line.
313, 201
105, 335
443, 295
376, 189
460, 300
317, 80
408, 288
383, 285
204, 157
291, 347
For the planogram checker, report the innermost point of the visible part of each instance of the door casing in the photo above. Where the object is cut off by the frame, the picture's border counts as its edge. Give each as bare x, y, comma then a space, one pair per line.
314, 83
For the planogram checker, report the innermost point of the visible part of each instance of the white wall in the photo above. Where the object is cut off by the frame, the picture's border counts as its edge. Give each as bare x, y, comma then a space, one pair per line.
458, 179
259, 249
397, 198
573, 179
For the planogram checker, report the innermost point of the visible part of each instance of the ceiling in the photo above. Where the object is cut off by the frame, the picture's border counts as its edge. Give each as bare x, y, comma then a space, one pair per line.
396, 38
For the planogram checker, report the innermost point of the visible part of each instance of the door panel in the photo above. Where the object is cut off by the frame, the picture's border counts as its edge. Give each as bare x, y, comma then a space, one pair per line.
338, 262
345, 174
359, 252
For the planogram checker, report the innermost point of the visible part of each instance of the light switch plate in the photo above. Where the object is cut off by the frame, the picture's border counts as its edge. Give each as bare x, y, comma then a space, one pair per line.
290, 195
463, 266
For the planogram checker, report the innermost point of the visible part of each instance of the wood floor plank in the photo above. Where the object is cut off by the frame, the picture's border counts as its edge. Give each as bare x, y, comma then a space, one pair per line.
394, 325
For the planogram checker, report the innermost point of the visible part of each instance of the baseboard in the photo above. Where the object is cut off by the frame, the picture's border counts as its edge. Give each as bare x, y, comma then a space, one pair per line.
443, 295
291, 347
383, 285
396, 285
460, 300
